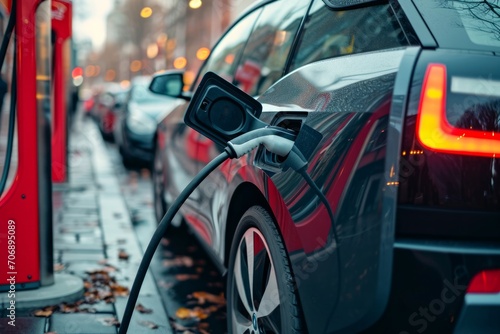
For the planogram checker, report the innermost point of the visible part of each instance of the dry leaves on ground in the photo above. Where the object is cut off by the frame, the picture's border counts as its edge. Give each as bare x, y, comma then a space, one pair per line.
142, 309
197, 313
123, 255
46, 311
202, 297
185, 261
148, 324
185, 277
58, 267
109, 321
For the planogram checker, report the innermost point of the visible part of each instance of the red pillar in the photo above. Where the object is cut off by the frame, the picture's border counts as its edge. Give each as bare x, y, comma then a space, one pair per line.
26, 206
62, 29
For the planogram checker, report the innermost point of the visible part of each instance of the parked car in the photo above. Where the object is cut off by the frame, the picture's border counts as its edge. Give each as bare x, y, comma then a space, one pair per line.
406, 97
136, 125
107, 106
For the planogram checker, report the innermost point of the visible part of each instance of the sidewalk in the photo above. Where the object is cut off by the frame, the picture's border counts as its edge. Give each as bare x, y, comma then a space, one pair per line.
94, 240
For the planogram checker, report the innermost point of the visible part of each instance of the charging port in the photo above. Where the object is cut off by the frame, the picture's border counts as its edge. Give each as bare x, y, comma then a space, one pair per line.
272, 162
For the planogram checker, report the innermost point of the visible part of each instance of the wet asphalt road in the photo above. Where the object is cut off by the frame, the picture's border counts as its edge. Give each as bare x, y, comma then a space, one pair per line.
191, 288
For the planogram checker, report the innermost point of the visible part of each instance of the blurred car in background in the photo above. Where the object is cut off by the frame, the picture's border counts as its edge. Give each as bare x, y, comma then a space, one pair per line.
136, 124
107, 107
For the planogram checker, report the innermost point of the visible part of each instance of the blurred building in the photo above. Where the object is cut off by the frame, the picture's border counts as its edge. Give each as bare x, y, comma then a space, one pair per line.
144, 36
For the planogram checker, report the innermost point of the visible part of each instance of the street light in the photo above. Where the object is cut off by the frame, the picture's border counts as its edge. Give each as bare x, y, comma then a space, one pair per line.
202, 53
146, 12
195, 4
152, 50
180, 63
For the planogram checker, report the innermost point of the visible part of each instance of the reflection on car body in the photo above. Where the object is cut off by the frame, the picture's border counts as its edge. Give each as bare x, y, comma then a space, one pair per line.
137, 123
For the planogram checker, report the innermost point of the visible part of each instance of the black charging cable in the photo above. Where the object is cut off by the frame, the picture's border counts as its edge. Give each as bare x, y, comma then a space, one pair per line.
298, 163
160, 232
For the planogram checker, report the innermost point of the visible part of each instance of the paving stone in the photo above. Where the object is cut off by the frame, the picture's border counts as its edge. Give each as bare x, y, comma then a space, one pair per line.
79, 247
27, 325
100, 307
81, 268
73, 229
79, 323
83, 239
77, 257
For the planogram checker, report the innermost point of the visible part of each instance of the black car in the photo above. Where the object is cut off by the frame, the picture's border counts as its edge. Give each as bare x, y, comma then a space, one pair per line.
136, 124
406, 97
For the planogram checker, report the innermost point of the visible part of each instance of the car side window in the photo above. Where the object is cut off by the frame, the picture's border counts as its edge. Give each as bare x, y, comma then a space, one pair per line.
328, 33
226, 54
267, 50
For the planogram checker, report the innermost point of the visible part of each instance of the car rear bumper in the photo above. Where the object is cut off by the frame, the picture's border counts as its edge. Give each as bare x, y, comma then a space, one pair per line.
429, 288
480, 314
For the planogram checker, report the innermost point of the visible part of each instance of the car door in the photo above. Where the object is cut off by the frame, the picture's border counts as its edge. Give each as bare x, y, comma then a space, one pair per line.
184, 151
261, 64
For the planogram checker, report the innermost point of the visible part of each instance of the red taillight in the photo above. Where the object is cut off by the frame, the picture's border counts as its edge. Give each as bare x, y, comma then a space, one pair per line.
487, 281
433, 130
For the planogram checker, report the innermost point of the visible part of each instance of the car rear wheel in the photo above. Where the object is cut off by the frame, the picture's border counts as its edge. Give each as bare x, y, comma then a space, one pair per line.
261, 294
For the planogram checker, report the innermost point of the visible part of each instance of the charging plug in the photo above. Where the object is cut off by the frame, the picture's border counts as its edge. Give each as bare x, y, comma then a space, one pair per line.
275, 139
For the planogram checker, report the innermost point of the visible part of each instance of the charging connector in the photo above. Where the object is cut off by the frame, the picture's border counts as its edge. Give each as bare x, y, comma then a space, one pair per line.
276, 140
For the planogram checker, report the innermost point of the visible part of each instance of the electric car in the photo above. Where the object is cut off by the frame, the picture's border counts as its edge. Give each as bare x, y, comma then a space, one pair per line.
136, 123
405, 97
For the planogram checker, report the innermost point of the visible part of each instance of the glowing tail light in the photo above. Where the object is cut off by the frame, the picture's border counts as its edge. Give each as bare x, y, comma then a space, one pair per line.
487, 281
435, 132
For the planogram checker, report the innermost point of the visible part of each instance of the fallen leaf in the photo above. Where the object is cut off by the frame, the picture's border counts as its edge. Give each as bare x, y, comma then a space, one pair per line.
185, 277
177, 326
165, 285
204, 297
59, 267
143, 309
119, 290
109, 321
148, 324
185, 313
122, 255
45, 312
69, 308
185, 261
182, 313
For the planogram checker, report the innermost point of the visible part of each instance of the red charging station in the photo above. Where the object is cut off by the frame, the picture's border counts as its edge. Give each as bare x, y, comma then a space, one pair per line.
26, 254
62, 30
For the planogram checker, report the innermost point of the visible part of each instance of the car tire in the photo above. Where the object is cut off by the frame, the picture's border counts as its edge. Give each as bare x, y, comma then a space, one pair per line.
274, 307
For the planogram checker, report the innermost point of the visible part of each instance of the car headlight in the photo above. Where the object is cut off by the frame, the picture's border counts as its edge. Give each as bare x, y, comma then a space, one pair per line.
140, 123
